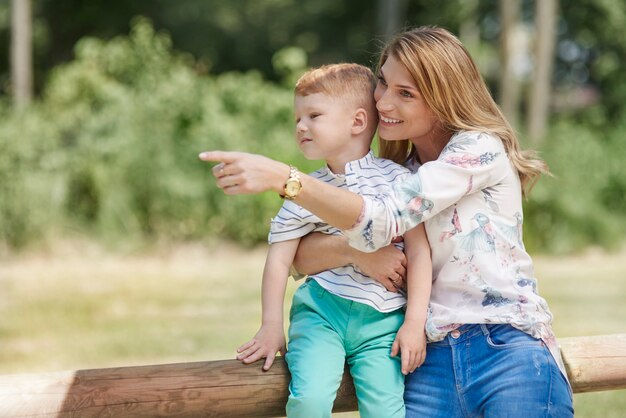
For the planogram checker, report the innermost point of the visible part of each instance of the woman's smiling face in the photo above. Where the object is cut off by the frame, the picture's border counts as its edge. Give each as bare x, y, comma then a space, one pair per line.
403, 112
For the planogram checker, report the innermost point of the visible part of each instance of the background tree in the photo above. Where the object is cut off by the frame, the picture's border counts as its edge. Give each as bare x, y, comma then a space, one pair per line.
195, 74
511, 50
391, 15
538, 110
21, 52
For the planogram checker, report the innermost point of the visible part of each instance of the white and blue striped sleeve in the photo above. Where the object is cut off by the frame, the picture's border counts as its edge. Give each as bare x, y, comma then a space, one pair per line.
291, 222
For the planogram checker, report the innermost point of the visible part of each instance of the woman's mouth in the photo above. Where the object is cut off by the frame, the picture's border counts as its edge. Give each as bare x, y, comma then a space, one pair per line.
389, 120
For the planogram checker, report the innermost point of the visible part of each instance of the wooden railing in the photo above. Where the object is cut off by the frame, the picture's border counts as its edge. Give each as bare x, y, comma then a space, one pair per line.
229, 389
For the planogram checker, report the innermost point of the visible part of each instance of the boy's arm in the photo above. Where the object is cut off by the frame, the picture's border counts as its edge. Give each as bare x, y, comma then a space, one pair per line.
411, 338
318, 252
270, 339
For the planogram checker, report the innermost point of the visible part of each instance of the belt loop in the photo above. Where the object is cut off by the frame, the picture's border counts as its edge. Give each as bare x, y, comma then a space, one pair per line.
485, 329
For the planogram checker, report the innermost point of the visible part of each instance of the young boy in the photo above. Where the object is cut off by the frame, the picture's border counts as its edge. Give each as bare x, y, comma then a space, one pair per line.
341, 315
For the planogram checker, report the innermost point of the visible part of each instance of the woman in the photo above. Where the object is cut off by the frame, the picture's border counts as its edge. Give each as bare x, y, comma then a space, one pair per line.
492, 351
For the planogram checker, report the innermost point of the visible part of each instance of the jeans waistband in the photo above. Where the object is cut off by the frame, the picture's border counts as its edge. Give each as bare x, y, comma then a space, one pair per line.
464, 333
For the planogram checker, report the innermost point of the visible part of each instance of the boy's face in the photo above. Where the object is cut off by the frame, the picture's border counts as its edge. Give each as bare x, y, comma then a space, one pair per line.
323, 126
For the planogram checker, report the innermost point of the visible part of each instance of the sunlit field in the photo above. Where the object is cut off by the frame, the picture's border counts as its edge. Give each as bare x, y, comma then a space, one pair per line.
81, 307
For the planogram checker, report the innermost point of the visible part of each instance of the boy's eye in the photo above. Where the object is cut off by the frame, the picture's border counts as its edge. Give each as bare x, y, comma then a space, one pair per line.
314, 115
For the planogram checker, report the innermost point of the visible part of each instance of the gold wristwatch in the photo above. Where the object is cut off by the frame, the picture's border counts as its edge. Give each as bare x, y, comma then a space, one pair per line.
293, 185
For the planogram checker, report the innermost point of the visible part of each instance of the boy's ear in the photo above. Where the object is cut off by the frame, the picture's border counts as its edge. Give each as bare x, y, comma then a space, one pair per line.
359, 121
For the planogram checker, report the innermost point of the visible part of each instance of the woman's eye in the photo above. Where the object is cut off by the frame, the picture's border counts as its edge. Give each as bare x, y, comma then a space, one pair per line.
405, 93
381, 80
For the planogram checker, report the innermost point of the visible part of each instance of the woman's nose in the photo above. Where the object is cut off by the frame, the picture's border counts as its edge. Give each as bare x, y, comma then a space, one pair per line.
382, 104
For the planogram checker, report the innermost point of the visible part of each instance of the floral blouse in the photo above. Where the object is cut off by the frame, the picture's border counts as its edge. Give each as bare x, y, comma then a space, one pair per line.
470, 201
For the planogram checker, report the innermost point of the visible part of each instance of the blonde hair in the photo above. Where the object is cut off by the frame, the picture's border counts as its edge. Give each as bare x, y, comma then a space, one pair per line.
353, 83
453, 88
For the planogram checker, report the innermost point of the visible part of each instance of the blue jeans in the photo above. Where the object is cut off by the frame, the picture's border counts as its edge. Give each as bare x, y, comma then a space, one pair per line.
488, 371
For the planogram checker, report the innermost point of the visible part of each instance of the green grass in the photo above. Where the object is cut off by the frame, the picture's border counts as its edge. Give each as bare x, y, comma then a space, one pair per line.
80, 307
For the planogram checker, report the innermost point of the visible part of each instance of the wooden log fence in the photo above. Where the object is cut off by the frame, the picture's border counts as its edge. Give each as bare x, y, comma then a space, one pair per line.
229, 389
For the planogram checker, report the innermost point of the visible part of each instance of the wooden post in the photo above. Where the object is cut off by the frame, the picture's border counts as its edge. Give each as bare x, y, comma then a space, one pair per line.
223, 388
595, 363
229, 389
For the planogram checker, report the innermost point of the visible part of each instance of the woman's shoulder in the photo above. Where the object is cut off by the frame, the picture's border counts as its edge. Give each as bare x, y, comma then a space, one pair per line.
474, 141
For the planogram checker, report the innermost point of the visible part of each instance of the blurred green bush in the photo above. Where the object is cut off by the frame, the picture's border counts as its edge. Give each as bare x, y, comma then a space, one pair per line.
112, 147
111, 150
585, 202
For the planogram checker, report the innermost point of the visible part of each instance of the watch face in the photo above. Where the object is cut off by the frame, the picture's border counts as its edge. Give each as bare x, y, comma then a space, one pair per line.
292, 187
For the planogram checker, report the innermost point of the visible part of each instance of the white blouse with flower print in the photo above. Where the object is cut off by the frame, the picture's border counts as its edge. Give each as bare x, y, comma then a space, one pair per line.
471, 203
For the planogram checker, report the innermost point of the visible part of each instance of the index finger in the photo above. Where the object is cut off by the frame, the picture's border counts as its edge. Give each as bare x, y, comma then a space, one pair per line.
218, 156
245, 346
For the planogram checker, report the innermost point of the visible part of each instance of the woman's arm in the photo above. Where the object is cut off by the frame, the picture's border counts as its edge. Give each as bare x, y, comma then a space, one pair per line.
470, 162
318, 252
243, 173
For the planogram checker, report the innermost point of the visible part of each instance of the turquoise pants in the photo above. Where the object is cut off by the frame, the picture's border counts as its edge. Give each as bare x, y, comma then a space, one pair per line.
326, 331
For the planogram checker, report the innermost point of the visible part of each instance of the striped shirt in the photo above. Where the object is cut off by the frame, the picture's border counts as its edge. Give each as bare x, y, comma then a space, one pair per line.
368, 176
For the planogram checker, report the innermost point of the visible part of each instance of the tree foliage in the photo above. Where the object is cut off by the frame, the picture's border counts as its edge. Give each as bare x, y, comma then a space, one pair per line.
110, 146
584, 203
243, 35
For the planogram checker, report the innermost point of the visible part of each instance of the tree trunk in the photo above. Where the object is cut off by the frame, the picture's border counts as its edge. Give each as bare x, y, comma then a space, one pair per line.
511, 49
540, 92
469, 29
21, 52
391, 16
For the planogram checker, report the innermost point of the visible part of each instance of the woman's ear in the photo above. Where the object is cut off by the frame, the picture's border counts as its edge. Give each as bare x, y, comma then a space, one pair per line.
359, 121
